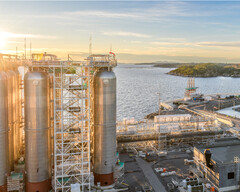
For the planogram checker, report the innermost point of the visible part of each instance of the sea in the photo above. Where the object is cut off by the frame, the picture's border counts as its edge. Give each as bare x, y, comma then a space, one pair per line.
138, 87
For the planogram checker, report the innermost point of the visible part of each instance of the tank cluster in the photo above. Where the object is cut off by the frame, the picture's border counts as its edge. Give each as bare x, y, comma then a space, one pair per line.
104, 127
11, 137
38, 145
38, 130
30, 151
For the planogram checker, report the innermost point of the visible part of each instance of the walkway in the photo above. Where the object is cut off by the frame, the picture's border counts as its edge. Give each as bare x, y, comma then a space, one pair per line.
150, 175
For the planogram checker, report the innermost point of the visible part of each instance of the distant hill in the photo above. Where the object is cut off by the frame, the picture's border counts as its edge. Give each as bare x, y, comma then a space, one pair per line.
207, 70
166, 64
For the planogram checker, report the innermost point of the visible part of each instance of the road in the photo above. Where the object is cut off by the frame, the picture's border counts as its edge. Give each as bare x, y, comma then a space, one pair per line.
150, 175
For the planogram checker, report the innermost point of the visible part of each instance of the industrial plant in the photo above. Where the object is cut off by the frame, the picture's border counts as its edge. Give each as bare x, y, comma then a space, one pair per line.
59, 132
58, 123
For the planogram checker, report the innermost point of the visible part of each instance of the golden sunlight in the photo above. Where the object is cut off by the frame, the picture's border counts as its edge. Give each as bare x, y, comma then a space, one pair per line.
2, 42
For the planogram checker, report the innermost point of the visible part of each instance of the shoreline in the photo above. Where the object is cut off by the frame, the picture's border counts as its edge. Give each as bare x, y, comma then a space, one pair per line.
198, 76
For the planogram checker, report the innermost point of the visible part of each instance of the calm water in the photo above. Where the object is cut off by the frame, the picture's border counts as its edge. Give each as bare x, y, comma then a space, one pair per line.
229, 111
137, 88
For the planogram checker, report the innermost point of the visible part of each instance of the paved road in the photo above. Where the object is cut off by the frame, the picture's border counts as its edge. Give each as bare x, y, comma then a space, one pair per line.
150, 175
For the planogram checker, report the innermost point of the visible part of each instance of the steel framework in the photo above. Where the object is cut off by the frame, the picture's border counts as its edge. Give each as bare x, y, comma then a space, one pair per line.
72, 126
70, 121
72, 116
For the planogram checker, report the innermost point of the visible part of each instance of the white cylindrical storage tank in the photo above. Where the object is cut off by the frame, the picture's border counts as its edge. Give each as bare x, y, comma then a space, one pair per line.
3, 131
19, 131
51, 121
36, 110
16, 130
11, 75
104, 127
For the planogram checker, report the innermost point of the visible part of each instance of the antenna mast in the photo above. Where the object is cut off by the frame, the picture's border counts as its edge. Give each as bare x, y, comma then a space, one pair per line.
30, 49
90, 45
25, 48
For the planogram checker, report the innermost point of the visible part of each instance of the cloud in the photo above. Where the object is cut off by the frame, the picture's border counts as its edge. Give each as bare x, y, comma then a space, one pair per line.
151, 12
105, 14
160, 9
171, 39
9, 35
198, 44
172, 43
136, 42
124, 33
220, 44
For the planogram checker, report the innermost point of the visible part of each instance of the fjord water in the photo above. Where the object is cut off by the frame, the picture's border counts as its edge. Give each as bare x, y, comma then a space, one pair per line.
138, 85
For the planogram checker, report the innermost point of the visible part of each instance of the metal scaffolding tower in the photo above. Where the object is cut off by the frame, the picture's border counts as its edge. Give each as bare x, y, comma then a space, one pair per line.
191, 88
72, 126
70, 121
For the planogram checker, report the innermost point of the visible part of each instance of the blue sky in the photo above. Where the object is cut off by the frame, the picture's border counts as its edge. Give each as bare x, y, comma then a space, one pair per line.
139, 31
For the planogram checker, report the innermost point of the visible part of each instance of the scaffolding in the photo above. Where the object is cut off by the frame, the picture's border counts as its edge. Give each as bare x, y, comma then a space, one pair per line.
191, 89
70, 124
72, 119
166, 134
72, 130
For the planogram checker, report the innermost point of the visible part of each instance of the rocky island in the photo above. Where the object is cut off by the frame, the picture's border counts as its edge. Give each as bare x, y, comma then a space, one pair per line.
207, 70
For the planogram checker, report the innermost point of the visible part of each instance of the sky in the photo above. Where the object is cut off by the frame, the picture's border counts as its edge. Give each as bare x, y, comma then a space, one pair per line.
136, 31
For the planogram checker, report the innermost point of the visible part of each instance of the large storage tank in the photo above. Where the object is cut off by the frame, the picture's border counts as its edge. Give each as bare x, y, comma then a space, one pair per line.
15, 128
19, 116
51, 120
3, 131
104, 127
11, 75
17, 107
36, 96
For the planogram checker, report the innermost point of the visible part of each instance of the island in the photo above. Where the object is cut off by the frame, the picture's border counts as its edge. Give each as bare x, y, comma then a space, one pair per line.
207, 70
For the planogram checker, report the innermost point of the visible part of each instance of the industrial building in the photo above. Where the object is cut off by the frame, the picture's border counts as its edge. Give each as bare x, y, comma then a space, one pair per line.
58, 123
219, 163
166, 132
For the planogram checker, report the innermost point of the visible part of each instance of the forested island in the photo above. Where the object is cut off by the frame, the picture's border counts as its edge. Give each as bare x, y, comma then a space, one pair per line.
207, 70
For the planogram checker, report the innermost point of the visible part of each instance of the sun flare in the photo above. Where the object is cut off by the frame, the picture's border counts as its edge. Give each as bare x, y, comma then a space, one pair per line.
2, 42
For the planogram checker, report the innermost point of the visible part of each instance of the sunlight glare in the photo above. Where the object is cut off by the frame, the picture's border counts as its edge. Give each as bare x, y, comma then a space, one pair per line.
2, 42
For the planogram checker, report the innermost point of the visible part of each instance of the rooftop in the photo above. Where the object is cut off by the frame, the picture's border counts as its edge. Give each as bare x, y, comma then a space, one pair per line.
223, 150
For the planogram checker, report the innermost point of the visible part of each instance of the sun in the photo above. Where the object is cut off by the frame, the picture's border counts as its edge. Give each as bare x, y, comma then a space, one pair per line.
2, 42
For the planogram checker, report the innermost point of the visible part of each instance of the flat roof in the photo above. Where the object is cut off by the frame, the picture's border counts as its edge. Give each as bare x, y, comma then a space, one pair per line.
223, 151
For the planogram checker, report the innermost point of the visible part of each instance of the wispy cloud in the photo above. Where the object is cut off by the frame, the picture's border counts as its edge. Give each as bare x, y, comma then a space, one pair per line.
171, 39
106, 14
158, 11
220, 44
9, 35
197, 44
173, 43
125, 33
136, 42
